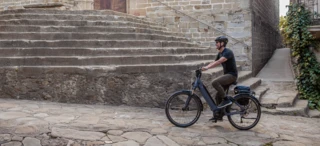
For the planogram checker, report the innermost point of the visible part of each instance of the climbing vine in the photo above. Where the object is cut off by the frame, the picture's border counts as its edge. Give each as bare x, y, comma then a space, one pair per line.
294, 29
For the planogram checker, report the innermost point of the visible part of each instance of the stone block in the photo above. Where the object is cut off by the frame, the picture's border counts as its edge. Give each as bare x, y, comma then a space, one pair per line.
184, 3
183, 25
193, 30
245, 4
143, 1
195, 2
156, 4
220, 17
143, 6
187, 8
227, 6
232, 24
217, 1
217, 6
139, 12
173, 3
194, 24
232, 1
185, 19
195, 35
201, 7
205, 2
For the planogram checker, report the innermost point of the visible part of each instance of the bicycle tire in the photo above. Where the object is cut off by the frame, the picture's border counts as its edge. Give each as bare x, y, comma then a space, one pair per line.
251, 101
195, 102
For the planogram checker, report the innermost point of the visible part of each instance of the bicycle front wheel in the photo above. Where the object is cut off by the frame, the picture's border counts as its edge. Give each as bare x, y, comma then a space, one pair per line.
181, 114
245, 112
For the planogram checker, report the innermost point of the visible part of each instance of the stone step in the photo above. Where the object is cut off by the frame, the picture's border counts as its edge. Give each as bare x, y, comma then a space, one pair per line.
279, 99
79, 23
86, 36
75, 12
94, 43
85, 29
32, 16
287, 100
105, 69
209, 75
100, 60
260, 91
212, 72
69, 12
46, 51
245, 80
299, 109
243, 75
251, 82
269, 100
314, 113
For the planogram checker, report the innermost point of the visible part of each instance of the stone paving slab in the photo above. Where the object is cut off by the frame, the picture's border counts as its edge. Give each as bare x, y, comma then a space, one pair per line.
123, 125
314, 114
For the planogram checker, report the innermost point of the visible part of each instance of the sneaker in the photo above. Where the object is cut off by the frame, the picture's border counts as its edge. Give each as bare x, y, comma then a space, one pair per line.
224, 103
216, 118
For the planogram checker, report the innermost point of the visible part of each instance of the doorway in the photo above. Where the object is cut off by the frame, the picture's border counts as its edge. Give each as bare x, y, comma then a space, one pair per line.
115, 5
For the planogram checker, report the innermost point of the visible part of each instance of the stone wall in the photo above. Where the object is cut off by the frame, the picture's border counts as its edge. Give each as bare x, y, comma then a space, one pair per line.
92, 86
265, 34
48, 4
232, 17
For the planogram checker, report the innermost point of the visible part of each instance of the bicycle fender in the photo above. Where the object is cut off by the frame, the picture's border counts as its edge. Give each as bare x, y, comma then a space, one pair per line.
189, 92
254, 98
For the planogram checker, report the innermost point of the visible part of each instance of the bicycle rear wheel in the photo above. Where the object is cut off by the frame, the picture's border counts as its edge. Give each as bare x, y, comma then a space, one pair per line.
180, 114
249, 112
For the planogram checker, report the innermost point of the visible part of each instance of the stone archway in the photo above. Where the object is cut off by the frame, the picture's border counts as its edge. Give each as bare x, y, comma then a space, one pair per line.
116, 5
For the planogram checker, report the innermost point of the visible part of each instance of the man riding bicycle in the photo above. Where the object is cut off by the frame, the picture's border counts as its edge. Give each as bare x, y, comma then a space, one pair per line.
226, 58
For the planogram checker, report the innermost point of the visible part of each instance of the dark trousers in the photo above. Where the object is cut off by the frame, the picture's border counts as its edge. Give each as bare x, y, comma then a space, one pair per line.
220, 84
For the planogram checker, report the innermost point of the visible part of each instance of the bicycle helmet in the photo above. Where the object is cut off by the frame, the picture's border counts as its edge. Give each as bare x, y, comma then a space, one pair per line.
222, 39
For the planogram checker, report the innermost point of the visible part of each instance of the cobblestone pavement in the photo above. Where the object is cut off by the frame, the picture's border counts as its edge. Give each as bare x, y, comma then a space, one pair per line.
35, 123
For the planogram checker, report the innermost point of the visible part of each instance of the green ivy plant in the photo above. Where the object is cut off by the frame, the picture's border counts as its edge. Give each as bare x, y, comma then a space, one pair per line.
294, 29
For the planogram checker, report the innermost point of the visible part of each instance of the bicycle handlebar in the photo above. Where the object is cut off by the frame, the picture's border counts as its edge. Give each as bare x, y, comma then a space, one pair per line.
198, 72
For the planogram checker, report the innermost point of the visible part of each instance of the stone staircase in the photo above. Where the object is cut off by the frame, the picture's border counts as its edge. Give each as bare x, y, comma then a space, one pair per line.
97, 57
283, 99
93, 57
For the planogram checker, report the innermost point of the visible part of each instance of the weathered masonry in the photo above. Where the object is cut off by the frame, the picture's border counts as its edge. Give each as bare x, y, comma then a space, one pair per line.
253, 22
133, 52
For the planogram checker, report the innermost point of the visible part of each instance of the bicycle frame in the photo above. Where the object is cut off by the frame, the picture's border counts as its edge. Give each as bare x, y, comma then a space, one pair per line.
203, 90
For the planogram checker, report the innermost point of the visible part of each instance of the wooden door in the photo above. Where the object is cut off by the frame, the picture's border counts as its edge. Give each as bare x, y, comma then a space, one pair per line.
116, 5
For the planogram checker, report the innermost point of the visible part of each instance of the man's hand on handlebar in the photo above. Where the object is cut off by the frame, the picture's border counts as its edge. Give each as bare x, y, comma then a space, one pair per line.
204, 68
